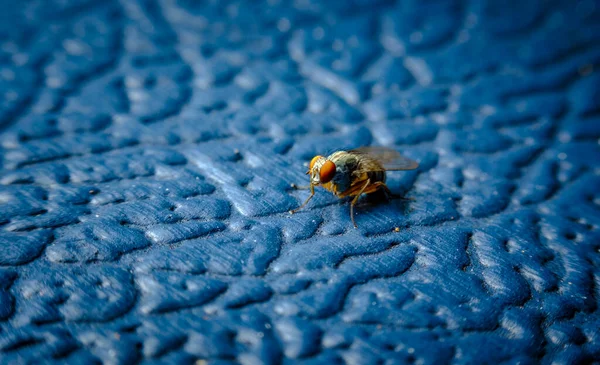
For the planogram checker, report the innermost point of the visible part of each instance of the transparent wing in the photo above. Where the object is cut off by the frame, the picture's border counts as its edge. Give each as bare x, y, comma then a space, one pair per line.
389, 158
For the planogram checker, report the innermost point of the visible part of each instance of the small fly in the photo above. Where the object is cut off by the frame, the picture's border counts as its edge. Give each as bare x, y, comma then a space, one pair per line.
355, 172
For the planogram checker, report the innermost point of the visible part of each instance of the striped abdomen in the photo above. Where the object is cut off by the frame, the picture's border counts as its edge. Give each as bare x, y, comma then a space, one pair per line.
376, 176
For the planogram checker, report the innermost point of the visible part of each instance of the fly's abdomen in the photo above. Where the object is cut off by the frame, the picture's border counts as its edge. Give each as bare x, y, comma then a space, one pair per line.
376, 176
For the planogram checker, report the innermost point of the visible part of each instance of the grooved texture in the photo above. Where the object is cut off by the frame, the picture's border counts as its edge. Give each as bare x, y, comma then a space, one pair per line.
146, 153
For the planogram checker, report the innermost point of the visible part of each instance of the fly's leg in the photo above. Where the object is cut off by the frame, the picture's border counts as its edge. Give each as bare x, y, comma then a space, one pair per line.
312, 193
389, 193
387, 190
355, 200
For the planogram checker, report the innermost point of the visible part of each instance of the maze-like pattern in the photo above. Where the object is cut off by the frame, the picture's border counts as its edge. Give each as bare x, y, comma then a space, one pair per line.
147, 150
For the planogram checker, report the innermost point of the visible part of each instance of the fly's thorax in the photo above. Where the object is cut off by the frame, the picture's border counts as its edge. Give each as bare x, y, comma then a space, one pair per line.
338, 156
346, 164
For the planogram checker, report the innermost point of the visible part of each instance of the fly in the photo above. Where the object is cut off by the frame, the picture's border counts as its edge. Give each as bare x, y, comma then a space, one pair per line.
355, 172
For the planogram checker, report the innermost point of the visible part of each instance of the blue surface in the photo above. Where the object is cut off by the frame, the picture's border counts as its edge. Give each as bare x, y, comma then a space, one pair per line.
147, 151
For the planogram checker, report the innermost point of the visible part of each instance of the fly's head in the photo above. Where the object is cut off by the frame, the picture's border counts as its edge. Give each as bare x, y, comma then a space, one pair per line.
321, 170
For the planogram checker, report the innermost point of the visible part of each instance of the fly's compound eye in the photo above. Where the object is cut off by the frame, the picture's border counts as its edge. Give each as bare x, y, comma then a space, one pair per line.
313, 161
327, 172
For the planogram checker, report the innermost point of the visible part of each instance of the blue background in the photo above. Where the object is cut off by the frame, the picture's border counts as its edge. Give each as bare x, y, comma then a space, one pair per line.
147, 150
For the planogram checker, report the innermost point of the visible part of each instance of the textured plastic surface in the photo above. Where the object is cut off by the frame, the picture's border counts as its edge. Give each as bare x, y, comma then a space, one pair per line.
147, 150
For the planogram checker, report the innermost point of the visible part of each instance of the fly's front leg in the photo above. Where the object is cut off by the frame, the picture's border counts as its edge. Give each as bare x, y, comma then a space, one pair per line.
312, 193
355, 200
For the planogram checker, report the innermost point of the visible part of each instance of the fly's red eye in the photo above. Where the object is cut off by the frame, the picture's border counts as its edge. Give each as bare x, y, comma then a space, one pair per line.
312, 162
327, 172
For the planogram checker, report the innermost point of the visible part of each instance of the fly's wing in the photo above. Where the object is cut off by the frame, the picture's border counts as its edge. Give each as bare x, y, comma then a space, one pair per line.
385, 157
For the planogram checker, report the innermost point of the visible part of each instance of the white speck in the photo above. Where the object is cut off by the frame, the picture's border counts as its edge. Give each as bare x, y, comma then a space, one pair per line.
487, 110
564, 137
20, 59
455, 90
75, 47
318, 33
54, 82
283, 25
440, 118
378, 89
138, 96
97, 216
562, 156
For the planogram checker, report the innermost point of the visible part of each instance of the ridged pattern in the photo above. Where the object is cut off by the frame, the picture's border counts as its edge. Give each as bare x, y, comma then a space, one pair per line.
147, 150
